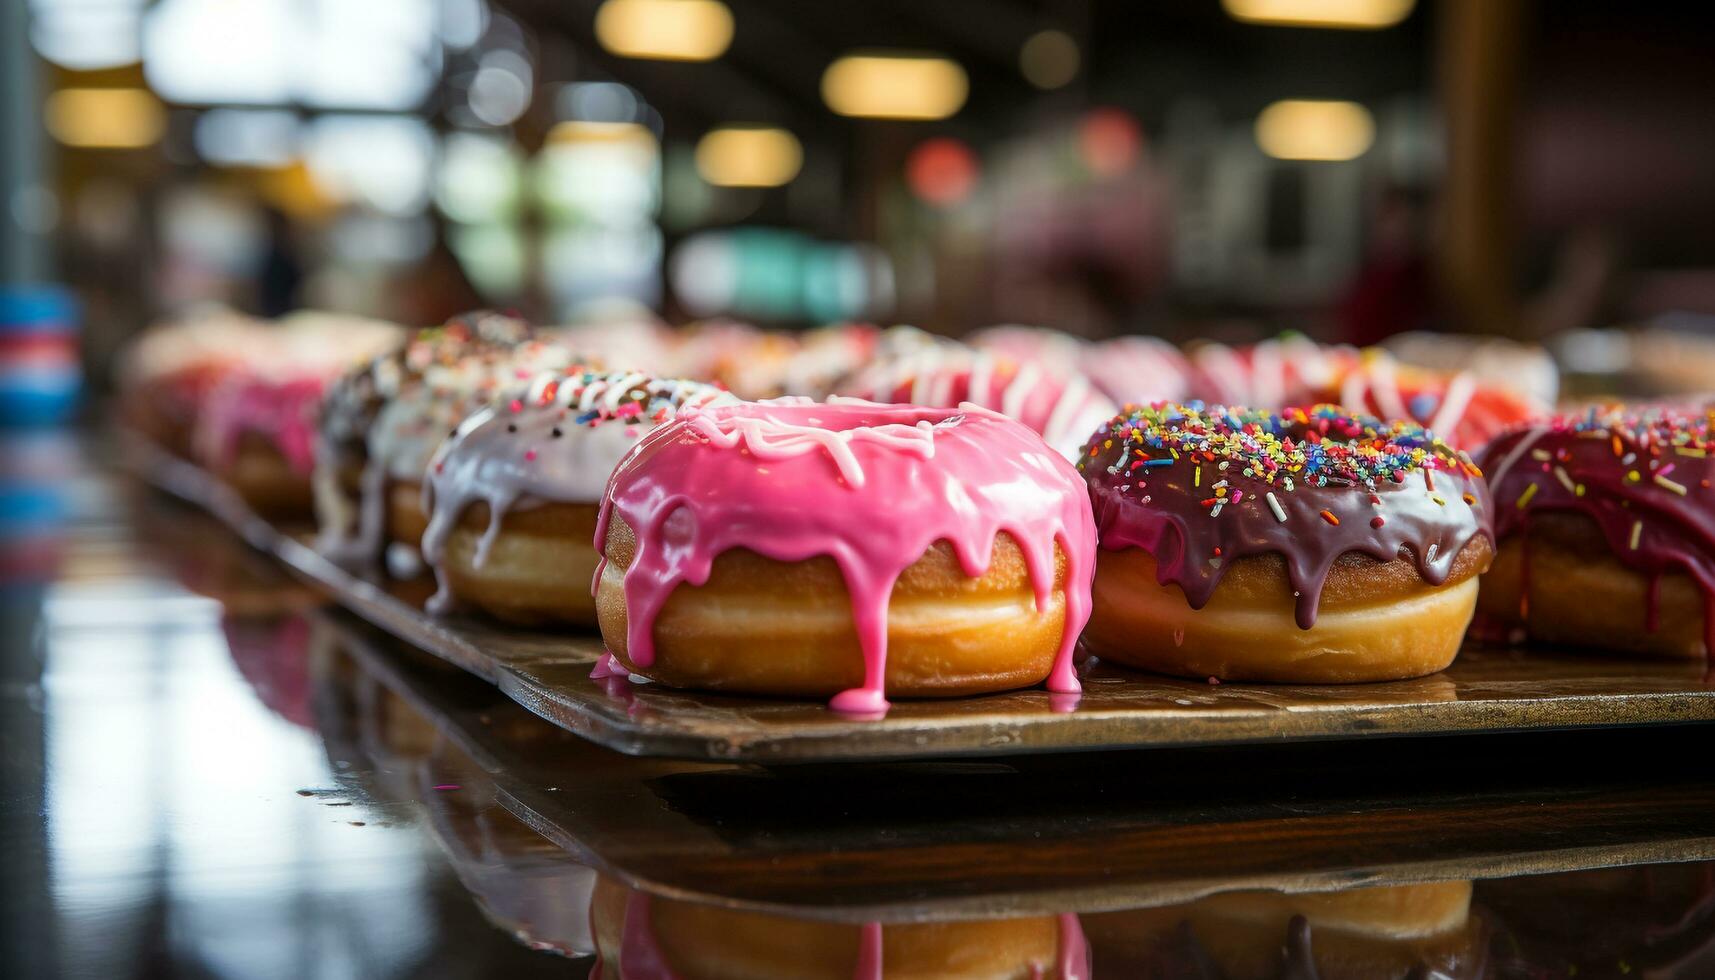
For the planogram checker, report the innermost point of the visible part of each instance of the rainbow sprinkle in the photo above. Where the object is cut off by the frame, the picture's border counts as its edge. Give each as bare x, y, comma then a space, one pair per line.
1318, 446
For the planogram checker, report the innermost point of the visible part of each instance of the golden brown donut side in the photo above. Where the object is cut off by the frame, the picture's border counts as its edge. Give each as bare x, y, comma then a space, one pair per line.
1377, 620
762, 626
538, 571
1581, 595
260, 474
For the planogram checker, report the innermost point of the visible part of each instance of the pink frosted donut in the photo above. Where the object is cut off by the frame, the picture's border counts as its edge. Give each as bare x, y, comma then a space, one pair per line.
1062, 408
1055, 350
845, 549
1138, 370
1288, 370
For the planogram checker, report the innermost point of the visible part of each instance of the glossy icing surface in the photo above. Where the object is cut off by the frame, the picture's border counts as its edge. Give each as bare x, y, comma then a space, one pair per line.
871, 486
1199, 489
1643, 477
554, 439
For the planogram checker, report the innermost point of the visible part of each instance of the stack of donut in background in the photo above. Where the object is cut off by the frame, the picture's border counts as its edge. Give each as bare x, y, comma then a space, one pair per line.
857, 513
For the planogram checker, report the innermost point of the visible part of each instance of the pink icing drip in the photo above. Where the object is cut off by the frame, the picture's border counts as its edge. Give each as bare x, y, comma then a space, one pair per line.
640, 956
784, 480
869, 960
607, 666
283, 413
1074, 956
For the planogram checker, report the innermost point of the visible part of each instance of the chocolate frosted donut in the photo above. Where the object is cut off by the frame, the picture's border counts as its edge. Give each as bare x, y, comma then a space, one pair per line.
1307, 546
1606, 526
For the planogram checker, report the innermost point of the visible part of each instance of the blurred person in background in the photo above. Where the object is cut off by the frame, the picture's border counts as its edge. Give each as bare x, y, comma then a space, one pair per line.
281, 276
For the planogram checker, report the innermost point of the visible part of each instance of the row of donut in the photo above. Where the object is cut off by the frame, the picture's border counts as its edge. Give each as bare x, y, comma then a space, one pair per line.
941, 547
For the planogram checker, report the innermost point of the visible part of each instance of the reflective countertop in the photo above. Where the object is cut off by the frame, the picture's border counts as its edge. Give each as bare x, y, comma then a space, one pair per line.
207, 771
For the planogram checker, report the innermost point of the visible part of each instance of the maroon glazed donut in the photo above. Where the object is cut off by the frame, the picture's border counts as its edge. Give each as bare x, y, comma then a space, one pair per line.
1606, 526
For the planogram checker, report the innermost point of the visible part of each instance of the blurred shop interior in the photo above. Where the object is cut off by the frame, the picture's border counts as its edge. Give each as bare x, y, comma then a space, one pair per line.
1221, 169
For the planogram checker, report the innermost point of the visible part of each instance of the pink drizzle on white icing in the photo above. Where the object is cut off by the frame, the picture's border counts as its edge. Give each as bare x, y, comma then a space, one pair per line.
871, 486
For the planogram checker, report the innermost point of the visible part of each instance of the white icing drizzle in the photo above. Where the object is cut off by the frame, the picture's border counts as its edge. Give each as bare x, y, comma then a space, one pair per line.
1511, 459
529, 447
1453, 404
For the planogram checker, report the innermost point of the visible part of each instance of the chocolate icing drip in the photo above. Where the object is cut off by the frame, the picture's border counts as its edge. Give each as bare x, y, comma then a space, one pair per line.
1648, 493
1298, 960
1430, 515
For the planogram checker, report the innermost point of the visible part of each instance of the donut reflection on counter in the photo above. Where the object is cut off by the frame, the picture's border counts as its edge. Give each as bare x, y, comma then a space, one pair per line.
848, 549
1399, 931
1655, 922
1309, 546
643, 937
1606, 523
512, 494
381, 423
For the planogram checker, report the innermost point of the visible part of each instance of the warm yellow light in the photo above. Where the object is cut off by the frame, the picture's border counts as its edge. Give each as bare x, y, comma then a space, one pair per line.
895, 86
1049, 59
1357, 15
105, 118
1301, 129
583, 131
739, 156
665, 30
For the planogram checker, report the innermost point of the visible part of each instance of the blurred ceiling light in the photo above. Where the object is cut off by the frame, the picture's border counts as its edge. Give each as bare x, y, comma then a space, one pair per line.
247, 137
665, 30
1303, 129
105, 118
598, 102
581, 131
501, 89
1361, 15
480, 180
462, 22
85, 35
375, 55
1049, 59
941, 171
895, 86
382, 161
704, 272
240, 52
749, 156
378, 54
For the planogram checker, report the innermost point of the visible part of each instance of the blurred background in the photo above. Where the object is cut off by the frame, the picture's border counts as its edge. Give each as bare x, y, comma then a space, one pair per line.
1192, 168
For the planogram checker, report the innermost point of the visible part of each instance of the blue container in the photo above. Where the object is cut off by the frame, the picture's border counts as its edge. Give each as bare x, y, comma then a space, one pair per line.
40, 377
